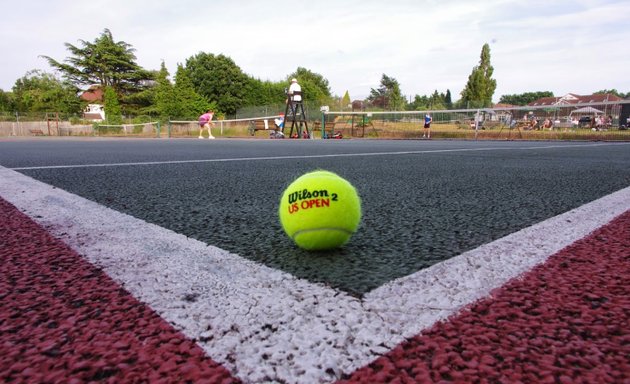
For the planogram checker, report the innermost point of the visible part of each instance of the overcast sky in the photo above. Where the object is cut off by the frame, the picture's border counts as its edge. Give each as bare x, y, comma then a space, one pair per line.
578, 46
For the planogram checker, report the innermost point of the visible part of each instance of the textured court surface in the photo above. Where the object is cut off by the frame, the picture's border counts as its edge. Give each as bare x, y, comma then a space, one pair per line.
448, 225
423, 201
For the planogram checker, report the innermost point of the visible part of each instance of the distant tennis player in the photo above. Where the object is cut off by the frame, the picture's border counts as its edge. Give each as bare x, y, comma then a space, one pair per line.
427, 126
205, 121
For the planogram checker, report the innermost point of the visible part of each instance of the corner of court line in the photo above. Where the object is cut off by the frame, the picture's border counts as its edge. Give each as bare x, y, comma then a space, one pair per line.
65, 319
564, 321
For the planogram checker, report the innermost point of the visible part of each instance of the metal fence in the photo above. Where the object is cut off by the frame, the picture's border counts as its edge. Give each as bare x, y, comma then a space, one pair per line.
588, 121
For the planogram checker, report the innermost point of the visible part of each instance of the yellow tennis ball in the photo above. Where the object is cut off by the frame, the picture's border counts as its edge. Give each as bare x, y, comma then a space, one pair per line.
320, 210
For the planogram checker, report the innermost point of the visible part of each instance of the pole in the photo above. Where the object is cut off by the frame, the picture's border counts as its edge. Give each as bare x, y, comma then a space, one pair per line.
476, 124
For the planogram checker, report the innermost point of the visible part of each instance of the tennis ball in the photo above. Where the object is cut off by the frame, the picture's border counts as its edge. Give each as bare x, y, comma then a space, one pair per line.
320, 210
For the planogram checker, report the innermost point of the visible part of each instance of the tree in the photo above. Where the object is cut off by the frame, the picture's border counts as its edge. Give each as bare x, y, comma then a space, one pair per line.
388, 95
614, 92
448, 101
113, 113
219, 80
105, 62
419, 103
38, 91
187, 103
345, 100
266, 92
6, 101
164, 95
481, 86
524, 98
436, 101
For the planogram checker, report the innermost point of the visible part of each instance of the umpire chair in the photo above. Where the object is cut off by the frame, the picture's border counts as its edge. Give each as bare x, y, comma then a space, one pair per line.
295, 114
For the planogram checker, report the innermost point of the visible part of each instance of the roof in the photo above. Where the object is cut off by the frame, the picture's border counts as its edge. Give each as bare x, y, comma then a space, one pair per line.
587, 110
94, 93
571, 98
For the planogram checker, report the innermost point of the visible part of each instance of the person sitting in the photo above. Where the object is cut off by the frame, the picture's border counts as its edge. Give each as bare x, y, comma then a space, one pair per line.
294, 95
280, 122
295, 91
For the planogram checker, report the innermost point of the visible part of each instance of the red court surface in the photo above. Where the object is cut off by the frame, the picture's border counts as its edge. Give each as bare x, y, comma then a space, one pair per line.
566, 321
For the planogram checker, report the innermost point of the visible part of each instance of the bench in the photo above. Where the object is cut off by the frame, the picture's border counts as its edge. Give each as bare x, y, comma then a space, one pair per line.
317, 125
262, 125
36, 132
330, 128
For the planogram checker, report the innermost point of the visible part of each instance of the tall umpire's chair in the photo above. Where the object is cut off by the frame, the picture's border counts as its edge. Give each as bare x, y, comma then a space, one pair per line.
296, 116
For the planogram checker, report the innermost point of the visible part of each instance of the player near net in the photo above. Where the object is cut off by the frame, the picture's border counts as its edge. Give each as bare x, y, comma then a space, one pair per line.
205, 121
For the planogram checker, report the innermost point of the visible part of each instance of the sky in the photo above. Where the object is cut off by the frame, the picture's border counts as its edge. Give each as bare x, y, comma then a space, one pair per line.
572, 46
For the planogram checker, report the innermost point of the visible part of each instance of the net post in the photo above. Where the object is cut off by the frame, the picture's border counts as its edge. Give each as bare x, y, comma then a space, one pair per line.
324, 110
477, 124
158, 129
169, 128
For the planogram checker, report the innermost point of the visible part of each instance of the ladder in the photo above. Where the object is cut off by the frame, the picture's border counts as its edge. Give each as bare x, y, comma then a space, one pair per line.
295, 114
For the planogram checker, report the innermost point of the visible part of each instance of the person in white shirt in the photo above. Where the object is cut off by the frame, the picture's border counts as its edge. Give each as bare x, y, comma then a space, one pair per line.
293, 97
295, 87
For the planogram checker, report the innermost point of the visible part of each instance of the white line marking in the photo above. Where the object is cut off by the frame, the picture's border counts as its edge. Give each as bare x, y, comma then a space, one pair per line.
265, 325
397, 153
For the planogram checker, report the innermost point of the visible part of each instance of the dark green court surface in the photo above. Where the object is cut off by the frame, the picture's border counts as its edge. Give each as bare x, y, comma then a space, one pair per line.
423, 201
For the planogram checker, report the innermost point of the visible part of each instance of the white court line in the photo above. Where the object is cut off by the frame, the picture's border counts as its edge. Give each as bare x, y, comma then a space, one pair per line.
396, 153
265, 325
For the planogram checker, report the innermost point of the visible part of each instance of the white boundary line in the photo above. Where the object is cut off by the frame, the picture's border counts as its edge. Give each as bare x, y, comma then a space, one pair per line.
396, 153
265, 325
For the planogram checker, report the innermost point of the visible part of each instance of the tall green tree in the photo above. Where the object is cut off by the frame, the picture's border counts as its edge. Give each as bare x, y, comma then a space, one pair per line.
219, 80
387, 95
448, 101
38, 91
164, 95
105, 62
345, 100
113, 112
481, 86
187, 103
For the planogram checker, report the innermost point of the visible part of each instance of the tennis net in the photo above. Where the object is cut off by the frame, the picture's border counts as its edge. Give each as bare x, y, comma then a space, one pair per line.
253, 126
586, 121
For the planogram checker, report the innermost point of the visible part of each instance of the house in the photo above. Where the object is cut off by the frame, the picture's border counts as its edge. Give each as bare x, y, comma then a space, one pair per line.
94, 112
93, 94
571, 98
572, 105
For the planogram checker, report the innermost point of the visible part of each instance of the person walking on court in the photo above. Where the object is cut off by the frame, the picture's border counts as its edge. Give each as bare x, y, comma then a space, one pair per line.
205, 121
427, 126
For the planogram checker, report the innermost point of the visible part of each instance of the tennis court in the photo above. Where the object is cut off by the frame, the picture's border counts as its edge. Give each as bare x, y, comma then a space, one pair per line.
190, 228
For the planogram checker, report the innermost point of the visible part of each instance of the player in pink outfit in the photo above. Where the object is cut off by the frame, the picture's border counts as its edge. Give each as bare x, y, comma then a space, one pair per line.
205, 121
